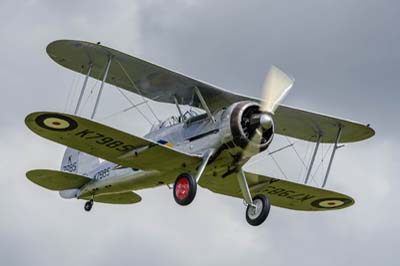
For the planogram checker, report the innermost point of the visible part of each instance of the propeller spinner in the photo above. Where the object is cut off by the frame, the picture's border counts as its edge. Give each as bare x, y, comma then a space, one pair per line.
276, 87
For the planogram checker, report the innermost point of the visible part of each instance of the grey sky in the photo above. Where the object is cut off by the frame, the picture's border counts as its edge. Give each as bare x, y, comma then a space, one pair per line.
344, 56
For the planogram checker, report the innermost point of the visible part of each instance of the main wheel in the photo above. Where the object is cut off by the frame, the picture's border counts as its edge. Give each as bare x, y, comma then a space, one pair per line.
88, 205
185, 188
256, 215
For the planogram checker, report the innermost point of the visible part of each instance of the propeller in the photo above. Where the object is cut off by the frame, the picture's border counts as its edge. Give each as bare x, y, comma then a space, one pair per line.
276, 87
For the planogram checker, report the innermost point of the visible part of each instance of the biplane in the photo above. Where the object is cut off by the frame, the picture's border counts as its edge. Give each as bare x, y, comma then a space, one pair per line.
207, 148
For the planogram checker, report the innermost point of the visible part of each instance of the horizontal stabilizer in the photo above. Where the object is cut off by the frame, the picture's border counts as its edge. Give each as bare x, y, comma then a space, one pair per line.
56, 180
117, 198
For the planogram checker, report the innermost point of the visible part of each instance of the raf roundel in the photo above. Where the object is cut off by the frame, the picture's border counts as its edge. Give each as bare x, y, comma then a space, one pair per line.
331, 203
56, 122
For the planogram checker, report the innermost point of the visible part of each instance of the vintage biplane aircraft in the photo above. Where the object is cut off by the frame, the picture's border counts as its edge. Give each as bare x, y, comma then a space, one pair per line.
207, 149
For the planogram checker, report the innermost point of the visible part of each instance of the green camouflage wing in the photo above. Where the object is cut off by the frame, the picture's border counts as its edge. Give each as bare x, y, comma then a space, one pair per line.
108, 143
282, 193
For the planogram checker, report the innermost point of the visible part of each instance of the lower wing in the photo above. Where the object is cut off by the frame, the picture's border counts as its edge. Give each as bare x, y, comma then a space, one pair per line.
282, 193
108, 143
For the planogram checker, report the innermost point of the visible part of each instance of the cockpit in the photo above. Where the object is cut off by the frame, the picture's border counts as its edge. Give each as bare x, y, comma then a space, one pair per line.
188, 117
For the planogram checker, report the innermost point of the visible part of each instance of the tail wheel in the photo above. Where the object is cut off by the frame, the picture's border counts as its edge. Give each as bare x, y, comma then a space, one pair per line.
88, 205
185, 188
258, 212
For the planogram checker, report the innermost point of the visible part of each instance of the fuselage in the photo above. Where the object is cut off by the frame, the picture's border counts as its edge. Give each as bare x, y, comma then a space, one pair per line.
192, 134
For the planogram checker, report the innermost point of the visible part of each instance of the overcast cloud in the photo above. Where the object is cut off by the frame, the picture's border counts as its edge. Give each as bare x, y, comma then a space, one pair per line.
344, 56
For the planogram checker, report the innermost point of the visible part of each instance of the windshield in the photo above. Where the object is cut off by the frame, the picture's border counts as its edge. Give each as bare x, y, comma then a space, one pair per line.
173, 120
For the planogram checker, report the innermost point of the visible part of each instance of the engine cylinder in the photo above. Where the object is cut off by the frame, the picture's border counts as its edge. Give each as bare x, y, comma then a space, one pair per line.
243, 126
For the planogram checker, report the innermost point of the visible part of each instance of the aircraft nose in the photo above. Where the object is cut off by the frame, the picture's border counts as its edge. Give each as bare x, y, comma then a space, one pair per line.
266, 121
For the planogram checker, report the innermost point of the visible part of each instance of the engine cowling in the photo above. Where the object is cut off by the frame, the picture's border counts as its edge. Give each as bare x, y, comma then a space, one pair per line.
244, 121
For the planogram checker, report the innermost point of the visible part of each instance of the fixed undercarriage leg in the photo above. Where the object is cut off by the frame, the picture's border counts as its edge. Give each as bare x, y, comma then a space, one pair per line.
258, 207
244, 187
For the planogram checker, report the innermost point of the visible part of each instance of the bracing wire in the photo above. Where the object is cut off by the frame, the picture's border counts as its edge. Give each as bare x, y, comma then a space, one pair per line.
88, 97
295, 150
137, 89
303, 171
70, 91
133, 105
279, 167
322, 160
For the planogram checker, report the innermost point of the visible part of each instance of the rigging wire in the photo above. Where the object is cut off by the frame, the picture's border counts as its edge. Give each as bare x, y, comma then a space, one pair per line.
279, 167
73, 91
88, 97
298, 155
322, 160
70, 91
137, 89
303, 171
133, 105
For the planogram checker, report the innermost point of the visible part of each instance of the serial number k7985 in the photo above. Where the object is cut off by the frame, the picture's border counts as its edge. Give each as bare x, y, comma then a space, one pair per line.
108, 142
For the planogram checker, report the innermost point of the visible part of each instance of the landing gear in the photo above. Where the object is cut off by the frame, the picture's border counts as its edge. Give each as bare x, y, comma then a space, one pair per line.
88, 205
258, 211
185, 188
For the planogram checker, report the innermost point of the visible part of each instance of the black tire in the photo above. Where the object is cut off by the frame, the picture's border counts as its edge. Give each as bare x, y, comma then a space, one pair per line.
185, 188
258, 216
88, 205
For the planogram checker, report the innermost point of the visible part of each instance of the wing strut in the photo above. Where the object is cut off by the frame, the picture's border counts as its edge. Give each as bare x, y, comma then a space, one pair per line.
179, 108
83, 88
204, 104
335, 147
313, 158
101, 87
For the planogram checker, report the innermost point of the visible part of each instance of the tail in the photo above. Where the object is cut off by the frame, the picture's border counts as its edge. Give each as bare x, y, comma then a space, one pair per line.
77, 162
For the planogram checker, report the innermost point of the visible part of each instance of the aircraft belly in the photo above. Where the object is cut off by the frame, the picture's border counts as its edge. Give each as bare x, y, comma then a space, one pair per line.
122, 183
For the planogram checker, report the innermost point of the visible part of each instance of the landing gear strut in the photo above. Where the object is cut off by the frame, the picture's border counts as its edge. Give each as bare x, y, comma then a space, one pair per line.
258, 207
88, 205
185, 188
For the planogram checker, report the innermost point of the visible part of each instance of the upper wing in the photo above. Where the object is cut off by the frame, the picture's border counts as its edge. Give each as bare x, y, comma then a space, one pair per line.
161, 84
282, 193
108, 143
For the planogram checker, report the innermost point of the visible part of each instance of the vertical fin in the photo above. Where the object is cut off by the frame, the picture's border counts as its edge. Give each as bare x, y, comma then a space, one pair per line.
78, 162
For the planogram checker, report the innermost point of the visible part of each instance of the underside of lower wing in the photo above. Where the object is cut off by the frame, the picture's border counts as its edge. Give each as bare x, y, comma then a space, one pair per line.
108, 143
282, 193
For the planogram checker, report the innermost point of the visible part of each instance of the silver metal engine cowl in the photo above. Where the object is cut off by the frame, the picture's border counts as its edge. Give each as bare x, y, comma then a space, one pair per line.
243, 128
